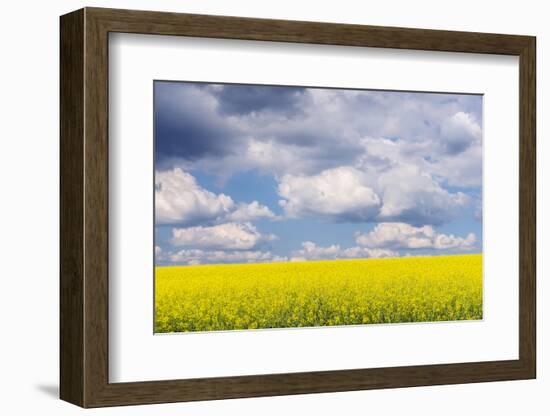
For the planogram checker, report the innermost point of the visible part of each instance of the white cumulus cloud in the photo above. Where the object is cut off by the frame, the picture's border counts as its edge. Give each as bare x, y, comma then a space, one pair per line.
340, 193
376, 191
179, 199
228, 236
198, 256
398, 235
459, 132
410, 186
251, 212
311, 251
408, 194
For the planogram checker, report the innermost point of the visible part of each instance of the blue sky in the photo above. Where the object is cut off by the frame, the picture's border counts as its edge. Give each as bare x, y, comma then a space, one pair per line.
252, 173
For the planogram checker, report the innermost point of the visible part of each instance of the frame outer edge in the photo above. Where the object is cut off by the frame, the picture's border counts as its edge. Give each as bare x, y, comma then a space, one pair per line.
528, 208
72, 343
96, 209
294, 31
84, 204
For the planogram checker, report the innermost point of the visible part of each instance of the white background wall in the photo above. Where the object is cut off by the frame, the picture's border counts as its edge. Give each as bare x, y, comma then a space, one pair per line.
29, 150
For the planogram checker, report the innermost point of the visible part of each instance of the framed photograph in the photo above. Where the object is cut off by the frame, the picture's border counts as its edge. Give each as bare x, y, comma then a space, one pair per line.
255, 207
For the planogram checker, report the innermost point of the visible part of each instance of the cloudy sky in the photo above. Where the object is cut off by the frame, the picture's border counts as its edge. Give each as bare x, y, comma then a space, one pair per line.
262, 173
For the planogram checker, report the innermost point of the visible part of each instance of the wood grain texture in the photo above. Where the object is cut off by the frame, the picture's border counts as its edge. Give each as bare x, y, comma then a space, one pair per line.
96, 208
528, 207
225, 27
84, 207
71, 208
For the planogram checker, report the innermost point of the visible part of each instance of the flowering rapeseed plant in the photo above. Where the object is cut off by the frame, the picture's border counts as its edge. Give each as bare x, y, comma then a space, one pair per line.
318, 293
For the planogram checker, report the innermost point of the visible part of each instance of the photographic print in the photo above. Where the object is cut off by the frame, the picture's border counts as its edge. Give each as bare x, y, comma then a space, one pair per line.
289, 207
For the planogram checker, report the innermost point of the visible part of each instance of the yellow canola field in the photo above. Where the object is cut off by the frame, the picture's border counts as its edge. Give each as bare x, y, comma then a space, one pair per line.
318, 293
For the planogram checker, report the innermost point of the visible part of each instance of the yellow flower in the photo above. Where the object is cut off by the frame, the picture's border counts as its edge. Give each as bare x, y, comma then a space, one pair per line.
338, 292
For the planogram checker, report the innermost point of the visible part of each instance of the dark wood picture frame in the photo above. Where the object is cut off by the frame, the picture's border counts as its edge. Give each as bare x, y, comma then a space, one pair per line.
84, 207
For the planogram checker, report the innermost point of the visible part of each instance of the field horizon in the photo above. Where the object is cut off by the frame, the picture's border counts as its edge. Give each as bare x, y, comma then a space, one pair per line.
215, 297
318, 260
